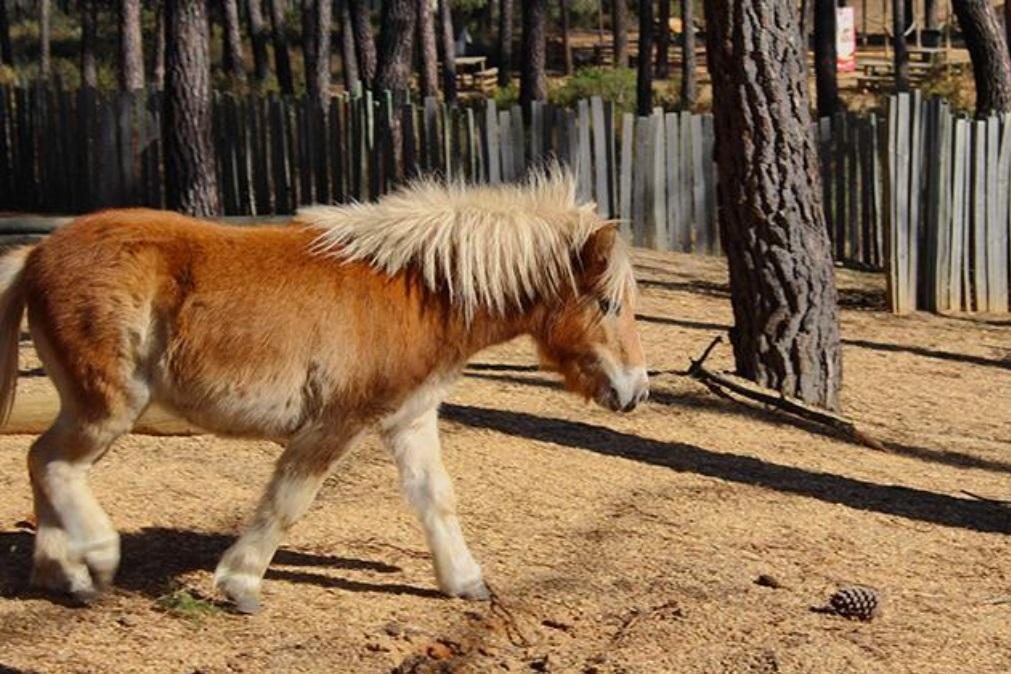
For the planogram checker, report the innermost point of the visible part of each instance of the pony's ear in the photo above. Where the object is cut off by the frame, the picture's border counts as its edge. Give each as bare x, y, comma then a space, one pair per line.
597, 251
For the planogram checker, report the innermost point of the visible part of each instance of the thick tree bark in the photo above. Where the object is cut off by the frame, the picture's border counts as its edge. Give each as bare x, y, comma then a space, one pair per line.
448, 50
563, 10
931, 20
365, 45
259, 35
89, 21
131, 46
282, 59
663, 40
191, 183
396, 46
349, 60
44, 39
644, 74
825, 57
786, 328
619, 29
899, 45
6, 52
533, 81
991, 67
232, 52
158, 72
505, 42
316, 29
429, 61
689, 86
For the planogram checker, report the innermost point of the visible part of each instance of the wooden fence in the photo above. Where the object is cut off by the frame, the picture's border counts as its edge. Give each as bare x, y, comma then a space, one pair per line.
918, 191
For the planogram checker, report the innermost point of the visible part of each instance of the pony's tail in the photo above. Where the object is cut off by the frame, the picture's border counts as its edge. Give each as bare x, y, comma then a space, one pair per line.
12, 308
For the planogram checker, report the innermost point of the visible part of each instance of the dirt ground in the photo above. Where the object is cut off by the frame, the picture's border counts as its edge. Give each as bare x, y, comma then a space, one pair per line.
615, 543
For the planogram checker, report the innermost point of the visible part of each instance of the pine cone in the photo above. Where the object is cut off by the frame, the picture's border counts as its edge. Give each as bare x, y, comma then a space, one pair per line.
855, 601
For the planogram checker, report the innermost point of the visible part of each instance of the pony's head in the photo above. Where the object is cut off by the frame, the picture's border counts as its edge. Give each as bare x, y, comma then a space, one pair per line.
589, 335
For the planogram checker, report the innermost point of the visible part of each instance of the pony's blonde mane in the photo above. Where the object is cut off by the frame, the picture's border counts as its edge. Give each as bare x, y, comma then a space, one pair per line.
490, 247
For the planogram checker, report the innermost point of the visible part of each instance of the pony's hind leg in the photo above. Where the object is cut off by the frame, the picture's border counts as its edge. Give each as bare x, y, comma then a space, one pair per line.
76, 546
415, 447
297, 477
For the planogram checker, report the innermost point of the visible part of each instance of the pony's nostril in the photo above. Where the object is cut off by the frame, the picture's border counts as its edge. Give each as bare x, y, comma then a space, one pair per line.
644, 396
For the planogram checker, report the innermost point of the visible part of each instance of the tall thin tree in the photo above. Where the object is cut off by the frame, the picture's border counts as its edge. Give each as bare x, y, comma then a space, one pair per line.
533, 79
191, 182
89, 22
45, 11
318, 68
279, 35
689, 86
663, 40
349, 60
448, 50
259, 34
899, 50
6, 52
429, 61
505, 42
563, 11
396, 47
825, 66
158, 72
644, 75
365, 45
232, 48
131, 46
619, 29
988, 50
782, 284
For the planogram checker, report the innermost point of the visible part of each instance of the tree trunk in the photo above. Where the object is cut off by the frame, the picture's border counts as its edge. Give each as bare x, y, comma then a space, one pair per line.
899, 45
232, 52
158, 73
396, 46
805, 28
786, 328
563, 10
448, 51
533, 82
825, 57
308, 40
317, 37
931, 20
644, 75
191, 184
365, 46
689, 87
6, 53
131, 46
429, 61
349, 60
619, 28
505, 42
991, 67
663, 40
89, 21
259, 34
282, 60
44, 39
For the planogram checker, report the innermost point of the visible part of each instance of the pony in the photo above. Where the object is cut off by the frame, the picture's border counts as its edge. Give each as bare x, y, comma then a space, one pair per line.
310, 334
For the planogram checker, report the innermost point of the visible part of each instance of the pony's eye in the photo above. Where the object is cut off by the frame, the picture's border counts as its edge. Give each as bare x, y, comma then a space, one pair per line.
608, 307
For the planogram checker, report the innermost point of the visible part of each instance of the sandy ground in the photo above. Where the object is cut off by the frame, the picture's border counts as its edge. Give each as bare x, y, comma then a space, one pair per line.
615, 543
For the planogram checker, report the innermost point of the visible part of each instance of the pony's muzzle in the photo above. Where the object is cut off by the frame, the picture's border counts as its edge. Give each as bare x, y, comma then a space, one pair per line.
626, 390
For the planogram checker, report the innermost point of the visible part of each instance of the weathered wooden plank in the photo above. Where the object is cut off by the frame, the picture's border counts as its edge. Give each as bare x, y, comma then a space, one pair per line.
980, 295
335, 151
824, 135
702, 232
672, 137
853, 229
601, 164
996, 244
840, 156
6, 185
279, 162
713, 246
687, 180
625, 192
958, 224
1002, 240
584, 168
536, 132
915, 197
518, 142
640, 184
490, 137
900, 140
658, 234
506, 146
942, 233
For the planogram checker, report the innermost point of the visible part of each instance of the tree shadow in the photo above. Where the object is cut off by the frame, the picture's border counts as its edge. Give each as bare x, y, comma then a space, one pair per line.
154, 557
682, 323
1003, 364
908, 502
864, 299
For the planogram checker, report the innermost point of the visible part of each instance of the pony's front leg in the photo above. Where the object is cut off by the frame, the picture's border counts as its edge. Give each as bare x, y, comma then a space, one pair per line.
414, 444
298, 474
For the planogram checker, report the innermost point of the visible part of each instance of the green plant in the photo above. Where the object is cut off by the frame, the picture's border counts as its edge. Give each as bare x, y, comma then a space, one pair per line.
507, 96
184, 604
612, 84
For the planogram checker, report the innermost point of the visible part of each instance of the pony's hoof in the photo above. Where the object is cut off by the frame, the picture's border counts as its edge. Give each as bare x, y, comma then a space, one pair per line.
241, 589
474, 591
248, 605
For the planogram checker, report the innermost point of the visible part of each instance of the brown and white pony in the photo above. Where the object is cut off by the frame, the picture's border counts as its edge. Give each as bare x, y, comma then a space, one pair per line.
309, 334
